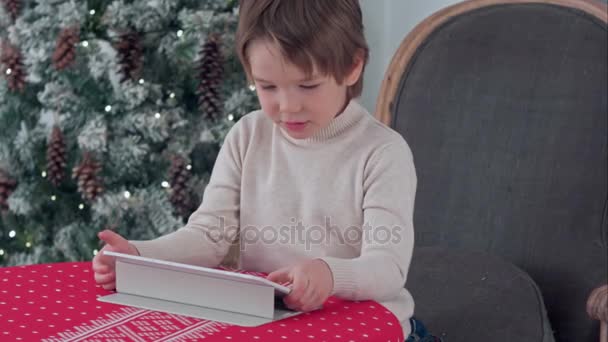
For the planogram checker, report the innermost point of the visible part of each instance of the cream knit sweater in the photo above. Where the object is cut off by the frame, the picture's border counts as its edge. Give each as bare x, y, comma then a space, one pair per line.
345, 195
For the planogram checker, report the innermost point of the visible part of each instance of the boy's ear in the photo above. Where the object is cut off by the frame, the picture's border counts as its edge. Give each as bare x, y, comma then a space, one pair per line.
353, 76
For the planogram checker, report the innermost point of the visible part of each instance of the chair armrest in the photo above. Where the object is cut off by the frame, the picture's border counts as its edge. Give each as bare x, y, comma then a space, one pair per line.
597, 304
597, 308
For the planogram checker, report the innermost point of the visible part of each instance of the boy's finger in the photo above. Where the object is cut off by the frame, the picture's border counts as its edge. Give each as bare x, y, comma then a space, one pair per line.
100, 268
110, 286
112, 238
107, 278
279, 276
300, 285
312, 300
308, 299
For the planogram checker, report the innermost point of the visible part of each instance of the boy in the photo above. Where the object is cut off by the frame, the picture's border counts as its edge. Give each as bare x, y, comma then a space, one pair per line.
312, 160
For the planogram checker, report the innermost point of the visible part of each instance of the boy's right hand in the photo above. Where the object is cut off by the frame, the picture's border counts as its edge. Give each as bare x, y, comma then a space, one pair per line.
104, 266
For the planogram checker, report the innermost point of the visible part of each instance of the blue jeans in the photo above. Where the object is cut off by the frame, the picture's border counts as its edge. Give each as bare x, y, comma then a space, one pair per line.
419, 333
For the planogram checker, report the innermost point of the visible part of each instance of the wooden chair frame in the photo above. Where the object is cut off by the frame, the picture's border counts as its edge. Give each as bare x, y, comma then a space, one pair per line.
598, 302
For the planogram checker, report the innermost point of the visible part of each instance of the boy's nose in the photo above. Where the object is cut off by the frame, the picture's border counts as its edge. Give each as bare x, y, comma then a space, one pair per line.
289, 104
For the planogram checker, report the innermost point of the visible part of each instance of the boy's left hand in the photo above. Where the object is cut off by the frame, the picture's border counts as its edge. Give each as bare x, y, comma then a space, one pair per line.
312, 282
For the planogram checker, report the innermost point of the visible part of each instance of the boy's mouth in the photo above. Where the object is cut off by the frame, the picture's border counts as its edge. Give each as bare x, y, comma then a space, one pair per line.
294, 125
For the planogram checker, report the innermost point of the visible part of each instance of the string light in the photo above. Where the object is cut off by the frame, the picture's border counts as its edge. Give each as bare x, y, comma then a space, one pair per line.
189, 167
252, 87
157, 115
180, 33
127, 195
108, 108
28, 244
85, 43
230, 117
43, 174
81, 206
95, 252
53, 198
141, 81
1, 252
12, 234
165, 184
9, 71
172, 95
92, 12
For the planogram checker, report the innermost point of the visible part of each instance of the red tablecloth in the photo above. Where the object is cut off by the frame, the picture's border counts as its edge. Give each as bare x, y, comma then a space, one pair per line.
58, 302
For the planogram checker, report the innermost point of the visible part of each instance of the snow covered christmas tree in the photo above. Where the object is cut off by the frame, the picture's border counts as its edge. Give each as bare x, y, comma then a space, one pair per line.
111, 116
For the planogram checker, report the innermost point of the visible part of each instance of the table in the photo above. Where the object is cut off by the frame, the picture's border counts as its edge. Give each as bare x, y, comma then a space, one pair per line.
58, 302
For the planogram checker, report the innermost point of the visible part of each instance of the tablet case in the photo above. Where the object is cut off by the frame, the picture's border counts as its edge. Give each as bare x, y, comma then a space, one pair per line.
200, 292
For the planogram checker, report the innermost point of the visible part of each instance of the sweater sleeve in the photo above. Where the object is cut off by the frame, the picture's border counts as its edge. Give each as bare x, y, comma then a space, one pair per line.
380, 272
210, 230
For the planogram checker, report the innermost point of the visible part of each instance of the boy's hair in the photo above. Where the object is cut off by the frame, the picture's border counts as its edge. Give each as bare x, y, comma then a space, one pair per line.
327, 34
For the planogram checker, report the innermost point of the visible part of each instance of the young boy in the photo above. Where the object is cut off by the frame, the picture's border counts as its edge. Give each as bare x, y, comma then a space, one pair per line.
312, 160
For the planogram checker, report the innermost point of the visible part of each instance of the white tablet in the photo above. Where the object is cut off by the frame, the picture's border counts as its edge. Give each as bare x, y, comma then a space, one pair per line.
280, 290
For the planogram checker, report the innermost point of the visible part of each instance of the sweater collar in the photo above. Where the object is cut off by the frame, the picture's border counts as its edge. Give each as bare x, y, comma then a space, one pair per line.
338, 126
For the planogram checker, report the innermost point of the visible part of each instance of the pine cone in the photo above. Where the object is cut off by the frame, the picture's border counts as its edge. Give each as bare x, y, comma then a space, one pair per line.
211, 73
7, 186
130, 50
12, 67
13, 7
65, 50
180, 197
56, 157
89, 184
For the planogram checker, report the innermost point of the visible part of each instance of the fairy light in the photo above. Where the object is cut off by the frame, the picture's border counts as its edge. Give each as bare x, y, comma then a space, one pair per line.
9, 71
85, 43
172, 95
43, 174
28, 244
92, 12
189, 167
127, 195
53, 198
141, 81
180, 33
12, 234
81, 206
95, 252
108, 108
252, 87
1, 252
231, 117
165, 184
157, 115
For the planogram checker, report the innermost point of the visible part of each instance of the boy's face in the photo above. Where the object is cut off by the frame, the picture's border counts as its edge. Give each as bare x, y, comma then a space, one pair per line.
300, 106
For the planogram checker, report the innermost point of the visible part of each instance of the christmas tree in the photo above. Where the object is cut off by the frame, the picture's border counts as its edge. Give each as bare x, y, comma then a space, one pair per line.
111, 114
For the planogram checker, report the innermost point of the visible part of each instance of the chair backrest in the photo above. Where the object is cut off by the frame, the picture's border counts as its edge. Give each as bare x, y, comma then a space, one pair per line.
504, 104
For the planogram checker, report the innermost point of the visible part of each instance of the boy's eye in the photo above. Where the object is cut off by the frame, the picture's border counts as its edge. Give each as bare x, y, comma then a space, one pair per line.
312, 86
268, 87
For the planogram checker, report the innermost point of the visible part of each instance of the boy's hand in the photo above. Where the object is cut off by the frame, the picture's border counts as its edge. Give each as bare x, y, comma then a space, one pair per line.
104, 266
312, 282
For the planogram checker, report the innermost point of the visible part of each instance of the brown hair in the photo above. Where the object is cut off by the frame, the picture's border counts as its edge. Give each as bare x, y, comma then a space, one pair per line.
327, 34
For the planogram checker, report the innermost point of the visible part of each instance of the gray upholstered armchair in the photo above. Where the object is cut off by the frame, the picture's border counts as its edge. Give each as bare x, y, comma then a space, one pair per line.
504, 104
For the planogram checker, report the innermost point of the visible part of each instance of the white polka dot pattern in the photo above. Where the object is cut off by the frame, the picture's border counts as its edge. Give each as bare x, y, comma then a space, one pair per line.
57, 302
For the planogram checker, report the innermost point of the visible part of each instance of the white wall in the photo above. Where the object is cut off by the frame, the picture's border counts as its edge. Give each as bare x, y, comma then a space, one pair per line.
386, 23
